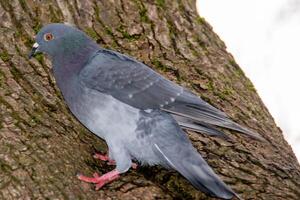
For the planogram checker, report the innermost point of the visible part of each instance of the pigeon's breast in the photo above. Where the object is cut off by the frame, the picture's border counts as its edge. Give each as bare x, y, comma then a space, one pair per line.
104, 115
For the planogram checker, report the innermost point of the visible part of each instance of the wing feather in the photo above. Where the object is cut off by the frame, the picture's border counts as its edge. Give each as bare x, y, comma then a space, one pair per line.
135, 84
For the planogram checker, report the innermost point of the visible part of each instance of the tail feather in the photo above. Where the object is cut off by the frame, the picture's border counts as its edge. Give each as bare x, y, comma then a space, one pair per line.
174, 149
189, 163
207, 116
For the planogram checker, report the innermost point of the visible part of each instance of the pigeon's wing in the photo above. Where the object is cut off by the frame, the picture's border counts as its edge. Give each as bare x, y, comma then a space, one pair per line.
135, 84
174, 150
129, 81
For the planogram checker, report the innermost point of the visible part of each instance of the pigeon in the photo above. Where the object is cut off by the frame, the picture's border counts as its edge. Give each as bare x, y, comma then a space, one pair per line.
141, 115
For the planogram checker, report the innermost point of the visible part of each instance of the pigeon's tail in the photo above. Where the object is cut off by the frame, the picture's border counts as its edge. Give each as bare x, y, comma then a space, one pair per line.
191, 116
189, 163
174, 149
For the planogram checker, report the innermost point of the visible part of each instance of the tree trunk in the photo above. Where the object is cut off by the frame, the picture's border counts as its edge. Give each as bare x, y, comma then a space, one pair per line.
42, 145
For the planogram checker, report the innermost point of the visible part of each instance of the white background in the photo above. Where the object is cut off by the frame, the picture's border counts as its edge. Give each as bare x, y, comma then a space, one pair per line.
264, 38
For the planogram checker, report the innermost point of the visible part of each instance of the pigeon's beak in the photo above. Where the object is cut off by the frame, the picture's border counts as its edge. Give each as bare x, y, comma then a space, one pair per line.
33, 50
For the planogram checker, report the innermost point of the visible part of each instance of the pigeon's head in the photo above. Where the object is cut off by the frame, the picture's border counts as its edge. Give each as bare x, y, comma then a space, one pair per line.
59, 39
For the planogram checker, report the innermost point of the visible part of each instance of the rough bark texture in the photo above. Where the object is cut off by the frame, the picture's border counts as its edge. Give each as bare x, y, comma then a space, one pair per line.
42, 145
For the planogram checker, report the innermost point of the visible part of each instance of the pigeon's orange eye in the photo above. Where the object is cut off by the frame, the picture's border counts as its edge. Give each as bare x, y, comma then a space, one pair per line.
48, 36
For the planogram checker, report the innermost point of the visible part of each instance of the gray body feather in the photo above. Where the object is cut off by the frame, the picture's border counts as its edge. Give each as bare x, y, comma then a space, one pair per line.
129, 117
135, 84
173, 149
134, 109
124, 107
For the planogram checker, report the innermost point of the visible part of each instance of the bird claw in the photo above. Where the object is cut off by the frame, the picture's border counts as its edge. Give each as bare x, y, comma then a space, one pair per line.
105, 157
134, 166
100, 181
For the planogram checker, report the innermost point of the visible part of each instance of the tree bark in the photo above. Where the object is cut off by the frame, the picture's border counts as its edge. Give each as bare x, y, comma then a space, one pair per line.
42, 146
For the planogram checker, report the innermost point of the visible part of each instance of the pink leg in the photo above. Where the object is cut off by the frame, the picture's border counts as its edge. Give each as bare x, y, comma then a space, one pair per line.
100, 181
105, 157
134, 166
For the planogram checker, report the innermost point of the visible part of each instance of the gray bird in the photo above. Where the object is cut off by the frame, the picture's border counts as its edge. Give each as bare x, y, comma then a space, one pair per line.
139, 113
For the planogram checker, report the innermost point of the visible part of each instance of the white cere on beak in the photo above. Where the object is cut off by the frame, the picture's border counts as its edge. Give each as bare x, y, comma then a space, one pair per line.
33, 50
35, 45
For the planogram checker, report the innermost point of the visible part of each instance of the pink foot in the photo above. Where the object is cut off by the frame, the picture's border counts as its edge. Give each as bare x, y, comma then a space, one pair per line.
134, 166
100, 181
105, 157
